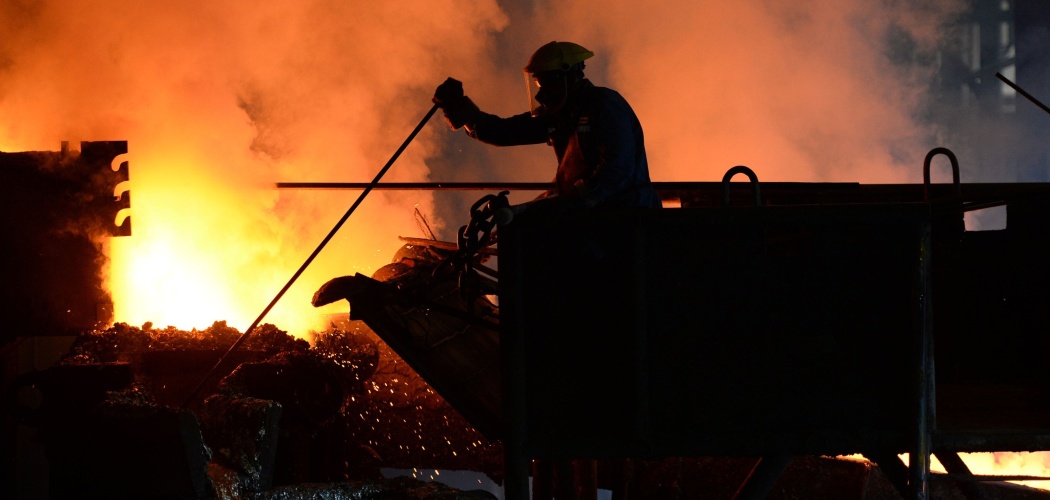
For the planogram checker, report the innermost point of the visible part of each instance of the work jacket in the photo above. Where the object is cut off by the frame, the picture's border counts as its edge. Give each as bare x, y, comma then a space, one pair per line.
597, 139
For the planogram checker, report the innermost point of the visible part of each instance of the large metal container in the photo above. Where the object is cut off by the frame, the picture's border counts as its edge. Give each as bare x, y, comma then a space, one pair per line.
718, 331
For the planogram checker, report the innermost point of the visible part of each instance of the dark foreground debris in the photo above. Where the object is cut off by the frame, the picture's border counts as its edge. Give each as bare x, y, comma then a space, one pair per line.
319, 422
400, 488
291, 421
125, 447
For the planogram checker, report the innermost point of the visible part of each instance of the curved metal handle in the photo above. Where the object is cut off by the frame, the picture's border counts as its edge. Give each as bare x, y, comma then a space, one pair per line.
926, 171
740, 169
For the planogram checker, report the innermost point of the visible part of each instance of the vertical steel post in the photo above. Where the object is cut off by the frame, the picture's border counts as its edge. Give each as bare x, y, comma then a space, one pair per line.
919, 457
512, 352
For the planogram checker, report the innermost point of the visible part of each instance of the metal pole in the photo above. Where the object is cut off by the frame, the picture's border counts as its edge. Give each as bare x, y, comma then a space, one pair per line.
423, 186
312, 256
1022, 92
925, 402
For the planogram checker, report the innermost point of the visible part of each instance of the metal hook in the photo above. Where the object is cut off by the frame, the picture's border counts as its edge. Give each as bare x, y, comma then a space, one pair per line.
926, 171
740, 169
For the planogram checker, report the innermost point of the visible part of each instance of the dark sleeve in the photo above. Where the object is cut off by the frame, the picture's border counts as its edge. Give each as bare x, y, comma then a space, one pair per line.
513, 131
617, 143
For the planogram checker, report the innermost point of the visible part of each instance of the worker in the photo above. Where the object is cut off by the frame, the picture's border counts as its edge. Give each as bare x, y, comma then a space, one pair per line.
594, 132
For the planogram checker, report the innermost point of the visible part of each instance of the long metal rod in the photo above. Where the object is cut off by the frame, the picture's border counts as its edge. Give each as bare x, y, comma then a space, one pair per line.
419, 186
1022, 92
536, 186
312, 256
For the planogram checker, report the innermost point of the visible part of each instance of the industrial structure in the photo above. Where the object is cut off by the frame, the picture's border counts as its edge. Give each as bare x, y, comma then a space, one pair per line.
759, 319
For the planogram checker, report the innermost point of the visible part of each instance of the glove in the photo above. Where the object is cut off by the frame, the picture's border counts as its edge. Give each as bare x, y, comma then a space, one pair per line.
459, 110
449, 92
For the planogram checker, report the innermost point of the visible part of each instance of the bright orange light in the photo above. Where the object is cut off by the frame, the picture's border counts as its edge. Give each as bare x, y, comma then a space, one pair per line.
1000, 464
208, 248
159, 282
1015, 464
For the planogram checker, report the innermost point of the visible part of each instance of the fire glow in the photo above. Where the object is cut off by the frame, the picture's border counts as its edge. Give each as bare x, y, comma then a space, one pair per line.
218, 102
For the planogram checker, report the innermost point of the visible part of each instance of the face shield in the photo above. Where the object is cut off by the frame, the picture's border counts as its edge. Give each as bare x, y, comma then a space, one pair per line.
547, 91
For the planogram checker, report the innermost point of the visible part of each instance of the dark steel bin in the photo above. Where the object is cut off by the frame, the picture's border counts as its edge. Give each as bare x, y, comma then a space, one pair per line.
722, 331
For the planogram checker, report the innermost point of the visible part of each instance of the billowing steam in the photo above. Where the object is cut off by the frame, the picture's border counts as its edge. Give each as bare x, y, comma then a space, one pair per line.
797, 91
219, 100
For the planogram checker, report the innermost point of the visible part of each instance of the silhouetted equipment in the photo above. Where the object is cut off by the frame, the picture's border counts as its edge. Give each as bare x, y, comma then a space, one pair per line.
810, 324
100, 450
814, 318
754, 331
55, 209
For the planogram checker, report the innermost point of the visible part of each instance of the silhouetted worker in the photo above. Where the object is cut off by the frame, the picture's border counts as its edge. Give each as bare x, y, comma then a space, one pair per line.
599, 144
595, 133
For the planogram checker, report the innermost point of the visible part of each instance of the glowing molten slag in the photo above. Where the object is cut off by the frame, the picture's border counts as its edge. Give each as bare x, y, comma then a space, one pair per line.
205, 248
163, 282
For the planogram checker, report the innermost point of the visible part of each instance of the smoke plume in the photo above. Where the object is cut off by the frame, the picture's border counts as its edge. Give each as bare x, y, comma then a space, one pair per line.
796, 91
219, 100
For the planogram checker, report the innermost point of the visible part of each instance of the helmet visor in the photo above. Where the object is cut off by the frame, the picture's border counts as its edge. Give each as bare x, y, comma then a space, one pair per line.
532, 87
547, 91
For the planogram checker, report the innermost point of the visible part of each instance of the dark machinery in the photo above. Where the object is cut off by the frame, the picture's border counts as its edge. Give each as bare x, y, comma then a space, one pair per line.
830, 318
803, 328
810, 318
55, 210
747, 331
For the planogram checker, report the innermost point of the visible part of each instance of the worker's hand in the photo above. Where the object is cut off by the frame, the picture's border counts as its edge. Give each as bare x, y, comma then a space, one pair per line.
449, 93
459, 109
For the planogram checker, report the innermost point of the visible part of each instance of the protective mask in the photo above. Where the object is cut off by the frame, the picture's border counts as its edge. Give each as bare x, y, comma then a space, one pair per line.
547, 92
